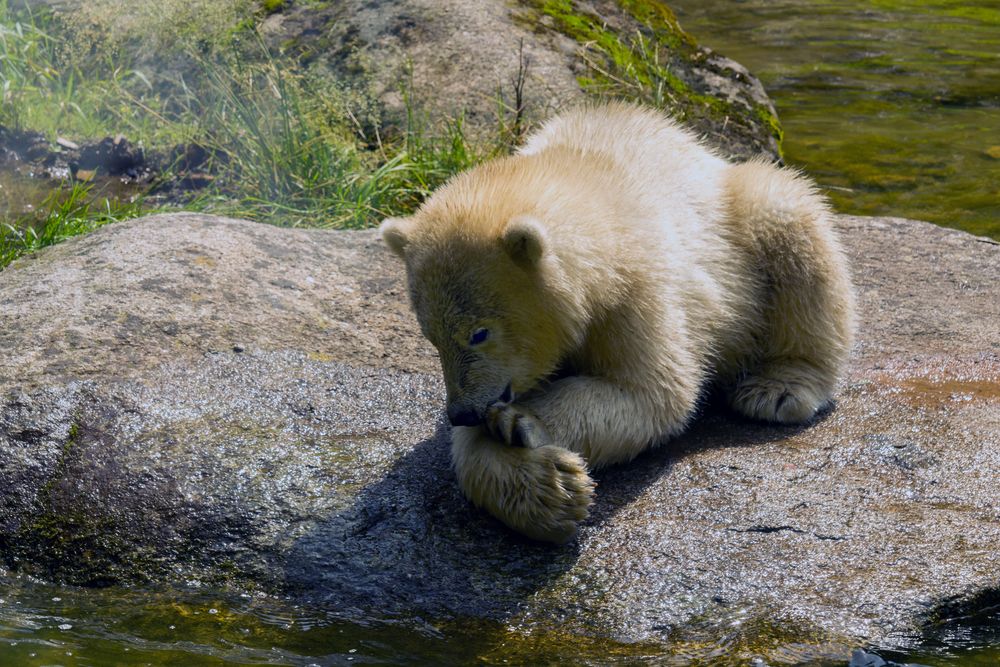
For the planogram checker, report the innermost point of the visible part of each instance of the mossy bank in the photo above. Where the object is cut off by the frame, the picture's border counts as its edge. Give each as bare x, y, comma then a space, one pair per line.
503, 65
636, 50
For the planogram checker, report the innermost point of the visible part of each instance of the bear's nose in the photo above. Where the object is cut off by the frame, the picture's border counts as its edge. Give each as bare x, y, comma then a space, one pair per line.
459, 416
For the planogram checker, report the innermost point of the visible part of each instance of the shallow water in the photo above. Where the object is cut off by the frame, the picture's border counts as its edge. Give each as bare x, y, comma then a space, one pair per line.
22, 195
26, 198
892, 105
43, 624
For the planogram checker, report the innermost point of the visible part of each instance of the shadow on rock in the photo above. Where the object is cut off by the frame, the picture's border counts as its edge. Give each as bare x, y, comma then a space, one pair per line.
716, 426
410, 542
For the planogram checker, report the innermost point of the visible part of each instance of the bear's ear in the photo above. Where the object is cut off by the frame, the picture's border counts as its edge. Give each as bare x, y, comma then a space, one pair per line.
395, 232
525, 240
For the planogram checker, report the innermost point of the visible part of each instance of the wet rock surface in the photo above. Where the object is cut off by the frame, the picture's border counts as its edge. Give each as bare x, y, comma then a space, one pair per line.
31, 154
191, 398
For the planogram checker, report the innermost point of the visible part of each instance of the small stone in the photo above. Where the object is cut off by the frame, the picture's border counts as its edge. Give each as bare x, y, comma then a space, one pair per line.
67, 144
196, 179
860, 658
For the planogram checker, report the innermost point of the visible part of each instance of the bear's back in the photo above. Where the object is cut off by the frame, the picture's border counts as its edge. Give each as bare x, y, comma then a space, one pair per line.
648, 144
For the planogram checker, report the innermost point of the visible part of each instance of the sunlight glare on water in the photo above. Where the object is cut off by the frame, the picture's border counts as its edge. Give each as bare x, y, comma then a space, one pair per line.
892, 105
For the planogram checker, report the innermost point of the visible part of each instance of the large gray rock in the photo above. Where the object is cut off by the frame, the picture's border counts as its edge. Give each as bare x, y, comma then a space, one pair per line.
186, 397
453, 57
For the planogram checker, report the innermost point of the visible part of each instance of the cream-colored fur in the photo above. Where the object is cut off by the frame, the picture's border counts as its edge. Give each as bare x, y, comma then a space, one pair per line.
584, 292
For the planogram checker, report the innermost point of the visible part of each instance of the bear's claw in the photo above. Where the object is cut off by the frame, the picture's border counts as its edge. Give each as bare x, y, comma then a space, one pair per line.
514, 425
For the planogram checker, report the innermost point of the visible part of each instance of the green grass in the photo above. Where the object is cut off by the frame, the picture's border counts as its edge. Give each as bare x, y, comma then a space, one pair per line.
298, 147
45, 87
66, 213
637, 67
295, 160
27, 54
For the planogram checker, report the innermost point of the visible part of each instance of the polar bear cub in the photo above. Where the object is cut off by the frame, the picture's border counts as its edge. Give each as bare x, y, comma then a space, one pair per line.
583, 293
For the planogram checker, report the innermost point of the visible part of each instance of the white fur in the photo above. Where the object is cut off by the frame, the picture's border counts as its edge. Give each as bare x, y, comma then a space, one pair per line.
649, 266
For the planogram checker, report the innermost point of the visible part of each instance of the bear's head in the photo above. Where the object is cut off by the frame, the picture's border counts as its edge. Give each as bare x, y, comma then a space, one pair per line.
487, 296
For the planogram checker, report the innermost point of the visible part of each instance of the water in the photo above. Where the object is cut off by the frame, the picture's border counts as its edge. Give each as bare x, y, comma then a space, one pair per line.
21, 196
26, 199
892, 105
47, 625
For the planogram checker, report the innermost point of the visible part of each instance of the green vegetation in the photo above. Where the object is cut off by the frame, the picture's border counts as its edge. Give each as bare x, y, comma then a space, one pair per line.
620, 68
639, 67
35, 93
66, 213
272, 6
293, 158
73, 76
291, 145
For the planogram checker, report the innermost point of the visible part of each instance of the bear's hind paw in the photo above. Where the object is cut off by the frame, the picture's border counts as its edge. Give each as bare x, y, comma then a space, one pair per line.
792, 399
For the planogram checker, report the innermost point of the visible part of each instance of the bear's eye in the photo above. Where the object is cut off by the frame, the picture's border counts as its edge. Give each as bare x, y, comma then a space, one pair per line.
479, 336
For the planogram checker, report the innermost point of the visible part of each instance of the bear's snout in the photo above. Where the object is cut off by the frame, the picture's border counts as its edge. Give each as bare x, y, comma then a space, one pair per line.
460, 415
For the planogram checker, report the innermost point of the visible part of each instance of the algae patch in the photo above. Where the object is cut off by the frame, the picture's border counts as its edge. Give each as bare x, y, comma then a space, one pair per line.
64, 540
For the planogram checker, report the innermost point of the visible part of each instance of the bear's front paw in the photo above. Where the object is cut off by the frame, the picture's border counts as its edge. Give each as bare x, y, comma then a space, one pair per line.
541, 492
515, 425
553, 494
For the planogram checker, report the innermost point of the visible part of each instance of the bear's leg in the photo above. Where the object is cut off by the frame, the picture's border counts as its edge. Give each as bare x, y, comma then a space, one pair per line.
542, 492
785, 226
608, 422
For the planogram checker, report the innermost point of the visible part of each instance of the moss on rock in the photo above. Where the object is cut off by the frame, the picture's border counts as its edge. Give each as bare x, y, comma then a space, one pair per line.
637, 50
453, 59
